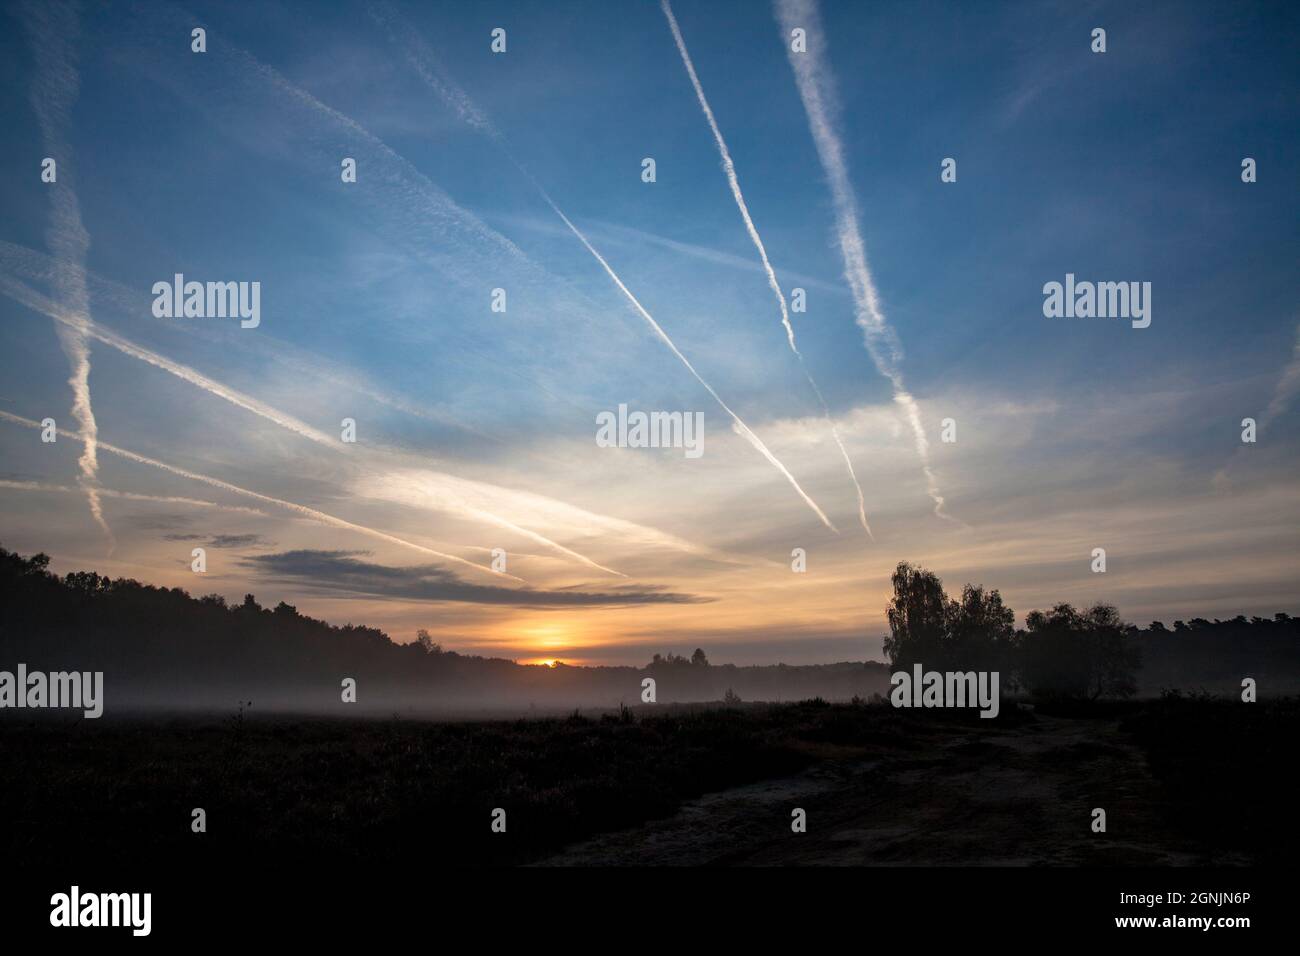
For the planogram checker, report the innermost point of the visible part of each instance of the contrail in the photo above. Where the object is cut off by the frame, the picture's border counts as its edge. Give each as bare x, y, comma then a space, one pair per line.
53, 30
1287, 387
733, 181
413, 201
458, 100
318, 516
29, 297
421, 202
32, 299
400, 33
30, 264
415, 489
534, 536
41, 486
739, 425
436, 488
813, 78
1288, 384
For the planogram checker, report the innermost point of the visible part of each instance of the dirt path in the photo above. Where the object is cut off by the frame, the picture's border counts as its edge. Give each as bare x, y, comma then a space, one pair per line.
1014, 796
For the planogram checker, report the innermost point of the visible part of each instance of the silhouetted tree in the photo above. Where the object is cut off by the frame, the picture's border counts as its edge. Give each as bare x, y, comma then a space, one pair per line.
975, 632
1078, 655
918, 617
699, 658
673, 660
427, 643
980, 632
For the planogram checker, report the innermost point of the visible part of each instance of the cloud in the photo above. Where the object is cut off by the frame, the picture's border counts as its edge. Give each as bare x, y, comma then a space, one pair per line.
439, 491
431, 491
343, 570
240, 541
225, 540
302, 510
29, 297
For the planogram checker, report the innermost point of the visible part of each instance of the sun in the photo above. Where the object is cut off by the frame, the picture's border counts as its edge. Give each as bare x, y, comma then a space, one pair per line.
543, 640
548, 635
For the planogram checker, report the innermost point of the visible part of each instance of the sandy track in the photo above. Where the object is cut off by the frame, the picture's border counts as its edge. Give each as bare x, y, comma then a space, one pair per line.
1003, 796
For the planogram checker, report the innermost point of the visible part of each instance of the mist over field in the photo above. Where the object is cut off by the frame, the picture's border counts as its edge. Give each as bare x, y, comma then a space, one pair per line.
163, 649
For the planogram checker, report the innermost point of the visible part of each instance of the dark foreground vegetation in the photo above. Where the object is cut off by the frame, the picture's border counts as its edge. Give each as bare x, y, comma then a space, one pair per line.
280, 790
337, 790
1226, 770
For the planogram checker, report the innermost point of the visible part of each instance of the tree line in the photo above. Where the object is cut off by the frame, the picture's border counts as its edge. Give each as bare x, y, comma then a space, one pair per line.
163, 647
1072, 653
160, 646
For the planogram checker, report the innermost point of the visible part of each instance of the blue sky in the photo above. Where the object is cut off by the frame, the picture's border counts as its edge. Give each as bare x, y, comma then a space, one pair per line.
476, 428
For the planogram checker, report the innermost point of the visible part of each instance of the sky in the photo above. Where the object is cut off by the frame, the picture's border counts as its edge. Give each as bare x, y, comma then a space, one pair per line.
522, 170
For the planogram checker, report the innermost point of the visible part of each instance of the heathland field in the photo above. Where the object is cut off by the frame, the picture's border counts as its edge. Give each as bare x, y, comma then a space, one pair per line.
1182, 780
